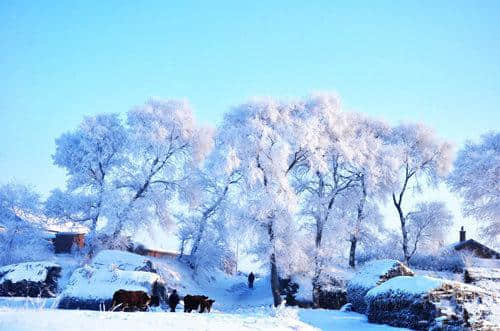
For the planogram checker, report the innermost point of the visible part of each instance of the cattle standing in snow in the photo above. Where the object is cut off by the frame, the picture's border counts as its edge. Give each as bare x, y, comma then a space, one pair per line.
130, 300
173, 300
193, 302
206, 304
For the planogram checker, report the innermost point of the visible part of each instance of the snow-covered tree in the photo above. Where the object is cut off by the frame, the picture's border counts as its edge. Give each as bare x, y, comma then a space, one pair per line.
89, 155
266, 148
349, 159
373, 165
476, 177
164, 146
422, 158
208, 224
427, 225
21, 237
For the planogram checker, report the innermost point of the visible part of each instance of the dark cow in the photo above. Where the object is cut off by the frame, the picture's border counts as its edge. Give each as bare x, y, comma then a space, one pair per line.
207, 304
130, 300
193, 302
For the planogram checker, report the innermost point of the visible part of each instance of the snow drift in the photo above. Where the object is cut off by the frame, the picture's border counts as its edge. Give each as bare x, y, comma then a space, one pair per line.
92, 286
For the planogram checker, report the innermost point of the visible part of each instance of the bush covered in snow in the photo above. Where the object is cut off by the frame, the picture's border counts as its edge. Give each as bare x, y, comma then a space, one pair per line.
370, 275
427, 303
448, 260
31, 279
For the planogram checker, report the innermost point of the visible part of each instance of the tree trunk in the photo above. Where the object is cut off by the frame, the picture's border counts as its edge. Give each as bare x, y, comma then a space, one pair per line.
275, 282
404, 232
405, 242
317, 264
352, 252
199, 235
316, 283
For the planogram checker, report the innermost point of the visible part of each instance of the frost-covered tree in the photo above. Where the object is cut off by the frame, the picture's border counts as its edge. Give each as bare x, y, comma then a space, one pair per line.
373, 165
21, 237
349, 159
89, 155
164, 146
267, 147
207, 226
476, 177
422, 158
426, 225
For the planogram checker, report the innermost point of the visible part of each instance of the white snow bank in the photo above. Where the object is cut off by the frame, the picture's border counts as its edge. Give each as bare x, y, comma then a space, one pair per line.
30, 271
94, 283
414, 285
369, 275
122, 260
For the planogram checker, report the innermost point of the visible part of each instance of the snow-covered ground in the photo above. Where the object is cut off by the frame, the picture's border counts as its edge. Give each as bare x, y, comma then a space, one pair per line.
23, 319
236, 308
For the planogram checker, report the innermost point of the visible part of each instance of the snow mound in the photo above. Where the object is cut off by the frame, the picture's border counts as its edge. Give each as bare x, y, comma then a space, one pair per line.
29, 271
122, 260
31, 279
370, 275
413, 285
92, 286
376, 272
427, 303
93, 283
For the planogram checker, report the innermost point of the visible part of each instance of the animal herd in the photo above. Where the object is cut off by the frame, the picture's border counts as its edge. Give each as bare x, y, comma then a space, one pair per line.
124, 300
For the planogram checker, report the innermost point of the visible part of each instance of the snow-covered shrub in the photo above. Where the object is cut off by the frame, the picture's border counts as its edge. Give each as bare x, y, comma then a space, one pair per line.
30, 279
427, 303
370, 275
449, 260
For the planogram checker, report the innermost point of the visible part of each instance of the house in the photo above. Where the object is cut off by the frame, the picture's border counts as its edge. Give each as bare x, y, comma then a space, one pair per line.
474, 247
65, 241
142, 250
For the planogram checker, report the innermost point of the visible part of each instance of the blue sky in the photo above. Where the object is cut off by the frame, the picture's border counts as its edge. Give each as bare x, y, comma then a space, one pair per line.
436, 62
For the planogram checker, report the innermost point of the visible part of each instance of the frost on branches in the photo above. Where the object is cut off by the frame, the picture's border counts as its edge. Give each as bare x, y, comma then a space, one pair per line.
21, 238
476, 177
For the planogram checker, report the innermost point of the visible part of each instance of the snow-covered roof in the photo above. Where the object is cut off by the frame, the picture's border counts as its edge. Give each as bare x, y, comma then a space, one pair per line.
414, 285
31, 271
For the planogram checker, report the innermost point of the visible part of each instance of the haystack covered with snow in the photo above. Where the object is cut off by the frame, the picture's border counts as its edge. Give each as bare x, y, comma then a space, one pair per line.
92, 286
29, 279
370, 275
425, 303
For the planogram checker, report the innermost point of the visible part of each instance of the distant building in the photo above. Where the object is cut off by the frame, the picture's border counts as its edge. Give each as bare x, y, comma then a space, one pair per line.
141, 250
65, 241
474, 247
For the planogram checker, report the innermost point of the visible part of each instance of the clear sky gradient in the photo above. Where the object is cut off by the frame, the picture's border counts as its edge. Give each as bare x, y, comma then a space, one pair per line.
435, 62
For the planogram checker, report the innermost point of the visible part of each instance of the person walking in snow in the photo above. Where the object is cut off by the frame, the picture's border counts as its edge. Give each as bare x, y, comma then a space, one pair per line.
173, 300
251, 278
